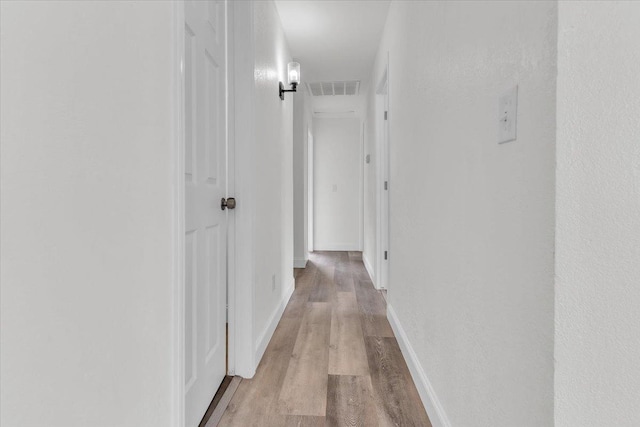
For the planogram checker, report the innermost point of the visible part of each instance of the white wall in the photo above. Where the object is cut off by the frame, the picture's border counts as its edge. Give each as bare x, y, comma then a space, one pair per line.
337, 184
302, 124
273, 185
86, 203
472, 221
597, 339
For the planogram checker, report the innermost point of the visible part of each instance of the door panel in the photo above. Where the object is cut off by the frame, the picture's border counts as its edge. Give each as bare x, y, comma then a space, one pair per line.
205, 223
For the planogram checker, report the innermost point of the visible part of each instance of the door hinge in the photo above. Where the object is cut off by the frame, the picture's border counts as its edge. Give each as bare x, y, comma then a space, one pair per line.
386, 255
386, 113
386, 185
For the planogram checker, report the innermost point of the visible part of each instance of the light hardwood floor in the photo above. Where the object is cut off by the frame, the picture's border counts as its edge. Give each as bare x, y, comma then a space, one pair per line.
333, 359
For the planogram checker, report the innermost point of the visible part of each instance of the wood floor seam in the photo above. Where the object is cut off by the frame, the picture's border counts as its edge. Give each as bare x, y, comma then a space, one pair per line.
333, 359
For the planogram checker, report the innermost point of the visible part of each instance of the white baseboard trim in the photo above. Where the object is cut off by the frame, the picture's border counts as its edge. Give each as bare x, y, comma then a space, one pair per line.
264, 339
428, 395
367, 265
299, 263
337, 247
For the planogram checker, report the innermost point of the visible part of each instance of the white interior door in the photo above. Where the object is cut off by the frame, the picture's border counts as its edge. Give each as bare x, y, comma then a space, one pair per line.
205, 163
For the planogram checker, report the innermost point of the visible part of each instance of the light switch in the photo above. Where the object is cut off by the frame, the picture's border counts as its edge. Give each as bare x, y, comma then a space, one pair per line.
507, 115
335, 188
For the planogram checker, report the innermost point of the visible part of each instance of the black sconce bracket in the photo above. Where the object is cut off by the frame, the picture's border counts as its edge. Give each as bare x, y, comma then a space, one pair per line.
283, 90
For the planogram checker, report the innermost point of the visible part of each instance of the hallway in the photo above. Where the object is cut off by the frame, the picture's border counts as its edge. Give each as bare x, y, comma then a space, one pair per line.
333, 359
198, 190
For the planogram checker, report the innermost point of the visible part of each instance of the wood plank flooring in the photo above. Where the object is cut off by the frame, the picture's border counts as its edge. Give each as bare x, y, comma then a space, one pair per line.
333, 359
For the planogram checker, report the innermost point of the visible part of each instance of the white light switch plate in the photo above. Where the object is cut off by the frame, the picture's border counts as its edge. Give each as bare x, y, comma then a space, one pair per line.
507, 115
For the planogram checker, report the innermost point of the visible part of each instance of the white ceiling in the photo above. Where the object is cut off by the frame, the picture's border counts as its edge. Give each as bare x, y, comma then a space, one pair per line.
333, 39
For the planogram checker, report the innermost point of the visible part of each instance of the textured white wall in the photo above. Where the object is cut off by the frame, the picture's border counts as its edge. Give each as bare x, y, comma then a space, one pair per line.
273, 151
472, 221
301, 126
597, 346
337, 184
86, 214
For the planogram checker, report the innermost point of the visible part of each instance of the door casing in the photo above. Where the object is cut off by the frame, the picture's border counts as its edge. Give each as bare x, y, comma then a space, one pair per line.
383, 175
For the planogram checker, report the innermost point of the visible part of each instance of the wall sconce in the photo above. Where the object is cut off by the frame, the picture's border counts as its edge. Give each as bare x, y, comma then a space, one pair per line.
293, 73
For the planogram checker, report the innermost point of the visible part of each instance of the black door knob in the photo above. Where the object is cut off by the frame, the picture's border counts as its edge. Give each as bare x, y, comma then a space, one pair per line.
228, 203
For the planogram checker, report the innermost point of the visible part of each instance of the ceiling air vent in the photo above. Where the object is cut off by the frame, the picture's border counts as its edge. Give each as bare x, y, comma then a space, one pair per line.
351, 87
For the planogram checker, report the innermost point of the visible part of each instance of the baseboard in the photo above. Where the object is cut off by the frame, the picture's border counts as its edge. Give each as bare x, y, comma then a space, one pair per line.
337, 247
367, 265
428, 395
299, 263
264, 339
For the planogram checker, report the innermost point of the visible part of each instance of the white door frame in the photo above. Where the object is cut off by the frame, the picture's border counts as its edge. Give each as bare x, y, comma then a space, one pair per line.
242, 352
382, 176
361, 188
310, 193
231, 190
178, 190
178, 102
